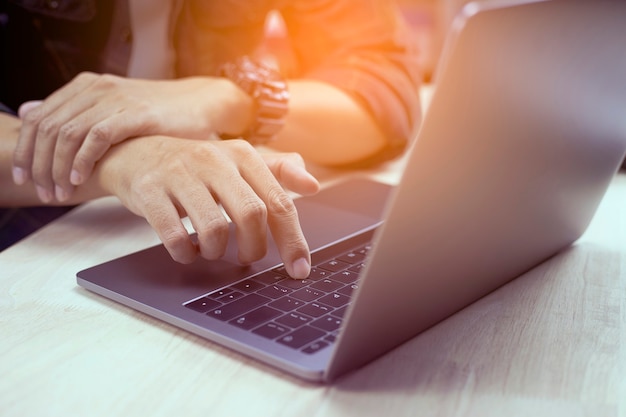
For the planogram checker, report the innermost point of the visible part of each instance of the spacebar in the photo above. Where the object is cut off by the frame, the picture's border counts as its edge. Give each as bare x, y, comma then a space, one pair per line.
238, 307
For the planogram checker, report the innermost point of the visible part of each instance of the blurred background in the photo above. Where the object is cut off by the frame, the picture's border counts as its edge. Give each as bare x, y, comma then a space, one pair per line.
430, 20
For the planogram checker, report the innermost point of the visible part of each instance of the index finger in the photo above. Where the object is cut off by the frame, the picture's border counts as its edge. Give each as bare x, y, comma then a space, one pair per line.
282, 218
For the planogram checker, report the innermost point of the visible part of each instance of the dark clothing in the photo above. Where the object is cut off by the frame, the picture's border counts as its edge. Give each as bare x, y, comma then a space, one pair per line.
19, 222
360, 46
44, 44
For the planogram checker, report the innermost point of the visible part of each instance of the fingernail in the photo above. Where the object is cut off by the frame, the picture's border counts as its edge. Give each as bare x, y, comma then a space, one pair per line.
60, 193
44, 194
76, 178
300, 269
19, 176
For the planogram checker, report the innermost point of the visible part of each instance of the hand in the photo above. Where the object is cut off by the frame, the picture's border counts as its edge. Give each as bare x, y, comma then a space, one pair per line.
164, 179
64, 136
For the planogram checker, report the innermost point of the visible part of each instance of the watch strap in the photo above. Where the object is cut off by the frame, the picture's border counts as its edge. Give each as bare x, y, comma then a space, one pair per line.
268, 89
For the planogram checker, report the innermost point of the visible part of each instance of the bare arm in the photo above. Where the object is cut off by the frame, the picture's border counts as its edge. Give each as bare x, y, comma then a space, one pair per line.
63, 138
163, 179
327, 126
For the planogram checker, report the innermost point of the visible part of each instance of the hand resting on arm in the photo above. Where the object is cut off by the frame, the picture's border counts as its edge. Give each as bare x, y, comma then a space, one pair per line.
163, 179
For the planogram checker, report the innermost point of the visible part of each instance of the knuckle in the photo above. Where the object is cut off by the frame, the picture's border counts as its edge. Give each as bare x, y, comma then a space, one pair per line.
101, 134
107, 81
216, 228
213, 238
253, 210
280, 204
174, 237
242, 148
145, 108
47, 127
176, 166
67, 132
204, 151
85, 76
143, 186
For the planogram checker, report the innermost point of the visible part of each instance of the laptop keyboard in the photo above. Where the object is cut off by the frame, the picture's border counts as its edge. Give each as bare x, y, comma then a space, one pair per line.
301, 314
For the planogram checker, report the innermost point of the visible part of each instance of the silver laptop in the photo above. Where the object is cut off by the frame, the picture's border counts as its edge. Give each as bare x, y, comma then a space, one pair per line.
526, 128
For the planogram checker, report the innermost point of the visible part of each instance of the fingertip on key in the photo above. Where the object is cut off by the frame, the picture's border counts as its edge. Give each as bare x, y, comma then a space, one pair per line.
300, 269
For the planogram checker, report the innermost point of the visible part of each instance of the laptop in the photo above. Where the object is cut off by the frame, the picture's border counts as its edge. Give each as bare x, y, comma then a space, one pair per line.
525, 130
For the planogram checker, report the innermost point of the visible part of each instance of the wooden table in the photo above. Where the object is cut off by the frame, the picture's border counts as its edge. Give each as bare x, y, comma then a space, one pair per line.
550, 343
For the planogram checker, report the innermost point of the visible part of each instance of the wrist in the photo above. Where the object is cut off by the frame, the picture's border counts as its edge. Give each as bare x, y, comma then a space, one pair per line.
237, 109
110, 173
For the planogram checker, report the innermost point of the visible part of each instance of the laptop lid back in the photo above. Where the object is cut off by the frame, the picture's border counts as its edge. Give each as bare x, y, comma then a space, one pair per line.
525, 130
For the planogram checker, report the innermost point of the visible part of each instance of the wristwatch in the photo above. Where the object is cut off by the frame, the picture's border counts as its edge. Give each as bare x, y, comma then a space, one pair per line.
268, 89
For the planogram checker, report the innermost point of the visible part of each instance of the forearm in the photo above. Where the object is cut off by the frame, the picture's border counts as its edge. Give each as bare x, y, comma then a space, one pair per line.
327, 126
324, 124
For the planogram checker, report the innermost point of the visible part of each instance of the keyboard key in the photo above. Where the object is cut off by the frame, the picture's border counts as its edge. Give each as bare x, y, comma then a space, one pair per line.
335, 300
352, 258
274, 291
219, 293
328, 323
268, 278
271, 330
281, 270
286, 303
347, 277
293, 319
340, 312
247, 286
256, 317
315, 347
348, 289
294, 284
358, 268
301, 337
307, 294
301, 314
238, 307
327, 285
231, 296
317, 274
331, 338
315, 309
203, 304
334, 265
364, 249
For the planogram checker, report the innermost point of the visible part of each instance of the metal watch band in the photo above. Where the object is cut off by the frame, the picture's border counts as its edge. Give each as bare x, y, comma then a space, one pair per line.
268, 89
